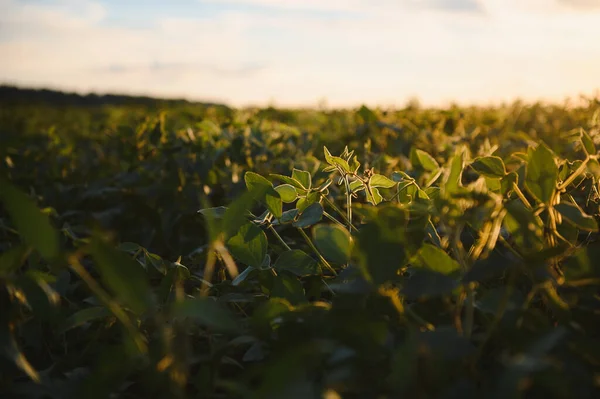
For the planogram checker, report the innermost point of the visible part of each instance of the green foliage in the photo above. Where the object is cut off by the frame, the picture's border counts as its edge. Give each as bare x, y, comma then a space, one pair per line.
441, 253
33, 225
542, 174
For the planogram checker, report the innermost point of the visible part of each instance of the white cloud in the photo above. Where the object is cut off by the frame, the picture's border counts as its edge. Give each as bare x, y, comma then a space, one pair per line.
381, 54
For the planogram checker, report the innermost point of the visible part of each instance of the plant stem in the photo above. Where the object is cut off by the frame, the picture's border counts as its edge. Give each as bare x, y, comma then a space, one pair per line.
339, 211
348, 203
287, 247
521, 196
108, 302
470, 303
328, 216
316, 251
573, 175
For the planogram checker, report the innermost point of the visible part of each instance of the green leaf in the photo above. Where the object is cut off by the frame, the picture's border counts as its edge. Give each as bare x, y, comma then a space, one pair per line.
380, 250
373, 196
123, 275
303, 177
336, 161
287, 192
270, 198
12, 259
381, 181
577, 217
334, 242
426, 161
453, 181
311, 215
542, 174
525, 227
289, 216
236, 215
507, 183
298, 263
206, 312
588, 143
215, 213
288, 287
84, 316
288, 180
305, 202
249, 245
32, 224
434, 258
401, 177
490, 166
354, 164
356, 186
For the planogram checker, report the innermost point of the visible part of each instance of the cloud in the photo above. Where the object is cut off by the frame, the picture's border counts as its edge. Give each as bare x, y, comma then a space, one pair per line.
377, 51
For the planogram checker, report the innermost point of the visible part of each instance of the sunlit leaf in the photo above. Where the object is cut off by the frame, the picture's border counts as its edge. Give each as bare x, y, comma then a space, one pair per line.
287, 192
381, 181
542, 174
426, 161
303, 177
489, 166
436, 259
266, 192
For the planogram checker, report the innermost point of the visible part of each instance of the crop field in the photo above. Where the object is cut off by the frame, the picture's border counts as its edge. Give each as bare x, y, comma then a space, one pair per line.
158, 249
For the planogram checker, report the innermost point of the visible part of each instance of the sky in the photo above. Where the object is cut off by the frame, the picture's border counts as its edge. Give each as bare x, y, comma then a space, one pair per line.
306, 52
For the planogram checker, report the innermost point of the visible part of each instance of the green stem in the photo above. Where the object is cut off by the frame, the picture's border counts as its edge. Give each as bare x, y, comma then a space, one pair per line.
287, 247
328, 216
521, 196
339, 211
470, 305
316, 251
348, 203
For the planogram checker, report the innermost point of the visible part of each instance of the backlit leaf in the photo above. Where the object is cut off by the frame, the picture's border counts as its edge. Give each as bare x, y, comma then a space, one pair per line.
425, 160
249, 245
303, 177
542, 174
287, 192
266, 193
490, 166
436, 259
334, 242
